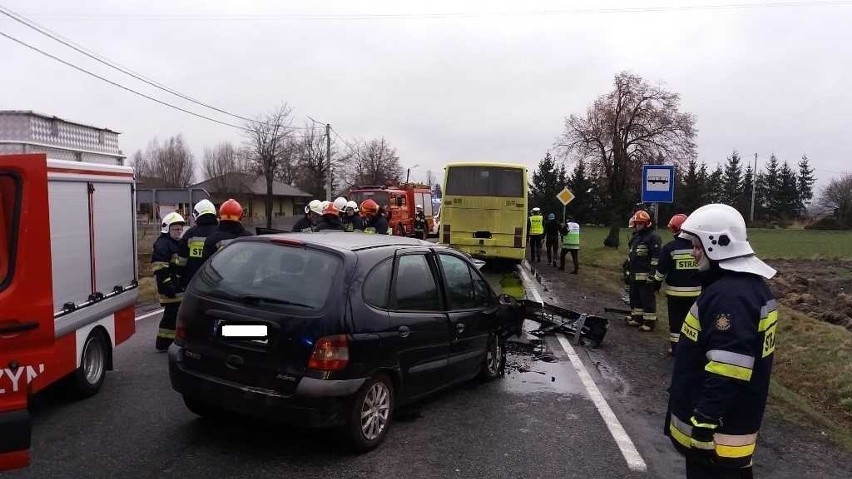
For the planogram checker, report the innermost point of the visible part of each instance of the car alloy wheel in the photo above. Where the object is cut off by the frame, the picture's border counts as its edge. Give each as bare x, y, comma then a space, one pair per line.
375, 411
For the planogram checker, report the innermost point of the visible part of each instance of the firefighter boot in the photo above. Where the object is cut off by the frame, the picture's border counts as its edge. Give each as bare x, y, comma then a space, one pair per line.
649, 322
634, 319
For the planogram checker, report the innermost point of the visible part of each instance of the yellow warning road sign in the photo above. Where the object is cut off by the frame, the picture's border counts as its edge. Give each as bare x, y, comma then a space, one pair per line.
565, 196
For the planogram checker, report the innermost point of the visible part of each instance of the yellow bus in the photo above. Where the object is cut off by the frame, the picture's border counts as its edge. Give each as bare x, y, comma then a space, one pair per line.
484, 209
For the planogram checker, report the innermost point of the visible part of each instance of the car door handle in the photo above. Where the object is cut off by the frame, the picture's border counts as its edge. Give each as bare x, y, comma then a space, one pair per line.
16, 327
459, 327
404, 331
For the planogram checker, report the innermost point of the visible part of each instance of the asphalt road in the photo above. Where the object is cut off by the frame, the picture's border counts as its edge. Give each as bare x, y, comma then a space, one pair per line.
538, 421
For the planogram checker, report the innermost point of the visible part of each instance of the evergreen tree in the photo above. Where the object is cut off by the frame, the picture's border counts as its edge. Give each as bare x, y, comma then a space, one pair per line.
788, 194
744, 201
804, 186
691, 189
714, 186
545, 185
732, 181
768, 188
582, 207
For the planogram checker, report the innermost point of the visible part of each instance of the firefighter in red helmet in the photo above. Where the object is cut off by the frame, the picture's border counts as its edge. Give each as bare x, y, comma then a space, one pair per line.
230, 227
677, 267
374, 222
643, 256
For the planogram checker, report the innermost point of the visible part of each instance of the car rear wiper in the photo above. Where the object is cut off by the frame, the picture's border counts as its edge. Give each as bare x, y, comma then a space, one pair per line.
250, 298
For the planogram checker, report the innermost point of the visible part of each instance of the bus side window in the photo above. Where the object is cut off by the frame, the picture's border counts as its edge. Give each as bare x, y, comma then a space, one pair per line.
8, 200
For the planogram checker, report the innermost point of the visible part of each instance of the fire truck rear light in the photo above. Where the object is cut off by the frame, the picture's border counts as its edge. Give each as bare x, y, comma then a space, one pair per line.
330, 353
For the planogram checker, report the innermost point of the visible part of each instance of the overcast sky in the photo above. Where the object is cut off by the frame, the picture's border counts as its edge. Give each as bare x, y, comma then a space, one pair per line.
447, 80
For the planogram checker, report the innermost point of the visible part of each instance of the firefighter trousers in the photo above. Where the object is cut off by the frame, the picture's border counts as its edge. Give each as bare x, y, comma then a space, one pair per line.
643, 304
166, 331
701, 470
678, 307
552, 245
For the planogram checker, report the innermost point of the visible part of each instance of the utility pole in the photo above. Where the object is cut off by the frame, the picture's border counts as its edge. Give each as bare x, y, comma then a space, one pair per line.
753, 190
328, 159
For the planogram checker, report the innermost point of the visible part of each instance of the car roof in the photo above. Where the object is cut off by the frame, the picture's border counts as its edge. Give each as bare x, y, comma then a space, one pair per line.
349, 240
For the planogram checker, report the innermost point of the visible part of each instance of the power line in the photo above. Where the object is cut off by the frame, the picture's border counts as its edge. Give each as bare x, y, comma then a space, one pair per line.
105, 61
352, 148
391, 16
143, 95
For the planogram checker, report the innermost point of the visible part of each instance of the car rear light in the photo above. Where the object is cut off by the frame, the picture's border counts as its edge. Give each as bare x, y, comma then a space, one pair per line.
519, 237
330, 353
180, 333
446, 238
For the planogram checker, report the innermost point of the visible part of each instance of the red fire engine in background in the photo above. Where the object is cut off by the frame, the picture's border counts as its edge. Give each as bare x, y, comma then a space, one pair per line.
399, 202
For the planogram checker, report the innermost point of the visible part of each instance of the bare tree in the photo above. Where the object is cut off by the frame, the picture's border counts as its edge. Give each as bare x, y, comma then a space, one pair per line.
167, 165
224, 165
376, 163
430, 177
140, 165
837, 197
266, 140
634, 124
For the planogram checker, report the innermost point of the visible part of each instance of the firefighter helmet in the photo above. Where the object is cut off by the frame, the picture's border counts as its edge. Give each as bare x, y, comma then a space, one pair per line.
170, 219
721, 230
536, 210
330, 208
419, 207
352, 204
315, 206
340, 203
369, 207
640, 217
203, 207
231, 210
675, 223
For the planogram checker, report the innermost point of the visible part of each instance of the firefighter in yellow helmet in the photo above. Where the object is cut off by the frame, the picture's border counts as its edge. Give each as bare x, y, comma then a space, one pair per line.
166, 266
643, 256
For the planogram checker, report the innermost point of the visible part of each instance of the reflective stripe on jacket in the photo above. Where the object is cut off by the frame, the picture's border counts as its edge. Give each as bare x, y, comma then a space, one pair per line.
571, 236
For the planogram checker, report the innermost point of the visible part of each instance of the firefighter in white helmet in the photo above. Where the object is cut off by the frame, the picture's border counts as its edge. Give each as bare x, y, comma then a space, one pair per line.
351, 219
191, 245
421, 226
166, 268
313, 211
340, 204
723, 360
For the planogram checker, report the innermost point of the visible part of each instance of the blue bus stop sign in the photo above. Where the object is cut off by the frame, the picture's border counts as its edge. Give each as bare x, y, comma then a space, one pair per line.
658, 182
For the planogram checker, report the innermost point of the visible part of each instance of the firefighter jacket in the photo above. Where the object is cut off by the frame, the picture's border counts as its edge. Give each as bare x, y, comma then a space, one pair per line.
226, 231
303, 225
420, 223
352, 223
377, 224
571, 235
722, 367
551, 230
643, 255
678, 268
191, 246
166, 268
535, 225
329, 223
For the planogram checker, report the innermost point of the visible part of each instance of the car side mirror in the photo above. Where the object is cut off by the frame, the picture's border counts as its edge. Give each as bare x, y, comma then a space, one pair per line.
506, 300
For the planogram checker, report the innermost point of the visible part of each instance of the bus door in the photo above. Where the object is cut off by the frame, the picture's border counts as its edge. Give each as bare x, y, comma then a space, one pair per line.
26, 304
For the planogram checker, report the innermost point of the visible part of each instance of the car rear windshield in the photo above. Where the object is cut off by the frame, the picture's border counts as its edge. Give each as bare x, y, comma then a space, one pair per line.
270, 274
485, 181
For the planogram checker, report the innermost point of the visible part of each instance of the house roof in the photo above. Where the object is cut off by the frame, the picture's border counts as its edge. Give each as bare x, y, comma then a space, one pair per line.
53, 117
247, 183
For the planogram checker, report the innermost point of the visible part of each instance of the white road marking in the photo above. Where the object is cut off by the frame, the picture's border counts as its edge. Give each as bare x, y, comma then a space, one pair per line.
622, 439
148, 315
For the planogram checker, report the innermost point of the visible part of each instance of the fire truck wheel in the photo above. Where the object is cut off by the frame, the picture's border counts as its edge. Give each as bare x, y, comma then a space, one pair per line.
400, 229
495, 358
89, 377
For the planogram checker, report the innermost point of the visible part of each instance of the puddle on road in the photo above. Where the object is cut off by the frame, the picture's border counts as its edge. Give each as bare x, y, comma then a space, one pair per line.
530, 368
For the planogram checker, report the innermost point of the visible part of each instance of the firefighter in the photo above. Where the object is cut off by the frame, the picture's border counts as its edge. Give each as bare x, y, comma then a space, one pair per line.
643, 255
678, 267
723, 361
306, 223
421, 226
551, 238
166, 268
230, 215
330, 219
340, 203
374, 222
351, 220
191, 244
570, 242
535, 229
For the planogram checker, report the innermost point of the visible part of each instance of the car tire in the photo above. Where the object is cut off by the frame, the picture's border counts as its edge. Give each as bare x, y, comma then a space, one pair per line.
87, 380
371, 414
494, 363
201, 408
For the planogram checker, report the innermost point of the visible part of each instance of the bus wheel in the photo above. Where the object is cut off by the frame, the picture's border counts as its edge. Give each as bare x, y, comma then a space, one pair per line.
87, 380
400, 229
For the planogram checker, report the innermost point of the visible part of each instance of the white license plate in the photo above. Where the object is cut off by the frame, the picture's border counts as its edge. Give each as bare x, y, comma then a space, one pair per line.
244, 331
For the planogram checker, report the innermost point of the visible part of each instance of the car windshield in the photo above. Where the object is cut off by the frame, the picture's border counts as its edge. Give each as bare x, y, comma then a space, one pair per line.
272, 274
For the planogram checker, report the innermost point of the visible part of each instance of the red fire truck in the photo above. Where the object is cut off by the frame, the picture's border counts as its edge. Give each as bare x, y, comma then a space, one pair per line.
399, 202
68, 282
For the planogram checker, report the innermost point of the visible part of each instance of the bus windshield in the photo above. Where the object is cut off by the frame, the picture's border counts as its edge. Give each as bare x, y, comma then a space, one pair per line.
485, 181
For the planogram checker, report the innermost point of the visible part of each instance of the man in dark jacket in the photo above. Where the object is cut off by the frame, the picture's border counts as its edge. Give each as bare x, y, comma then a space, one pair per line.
307, 222
551, 238
351, 220
330, 219
643, 256
678, 267
374, 221
723, 362
166, 267
191, 244
230, 214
